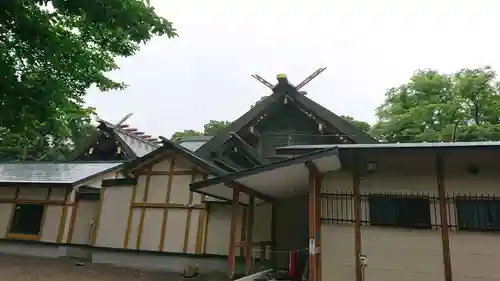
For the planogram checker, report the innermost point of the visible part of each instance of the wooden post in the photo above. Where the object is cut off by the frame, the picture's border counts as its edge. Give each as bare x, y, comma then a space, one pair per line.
248, 236
272, 255
314, 222
317, 227
232, 232
314, 227
443, 210
356, 181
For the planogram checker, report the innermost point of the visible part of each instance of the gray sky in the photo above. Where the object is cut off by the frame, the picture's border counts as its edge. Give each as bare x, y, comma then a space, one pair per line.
368, 46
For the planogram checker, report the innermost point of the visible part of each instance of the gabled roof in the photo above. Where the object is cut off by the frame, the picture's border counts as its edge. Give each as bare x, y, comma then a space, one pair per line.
67, 173
136, 144
281, 90
167, 146
194, 143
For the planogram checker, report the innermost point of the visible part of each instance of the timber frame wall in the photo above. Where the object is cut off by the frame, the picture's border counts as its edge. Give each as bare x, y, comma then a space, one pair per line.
59, 214
162, 213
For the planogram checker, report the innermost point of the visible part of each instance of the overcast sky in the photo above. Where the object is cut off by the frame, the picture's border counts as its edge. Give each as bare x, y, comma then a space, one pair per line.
368, 46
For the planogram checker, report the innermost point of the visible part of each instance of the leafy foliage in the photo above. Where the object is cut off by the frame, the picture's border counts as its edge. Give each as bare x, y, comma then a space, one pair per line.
52, 51
432, 106
364, 126
212, 128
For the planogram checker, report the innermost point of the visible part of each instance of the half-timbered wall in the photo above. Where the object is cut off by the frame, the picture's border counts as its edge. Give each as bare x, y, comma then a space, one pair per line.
57, 202
63, 219
87, 211
160, 213
411, 254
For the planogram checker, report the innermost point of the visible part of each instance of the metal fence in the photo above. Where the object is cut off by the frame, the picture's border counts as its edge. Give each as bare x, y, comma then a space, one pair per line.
482, 215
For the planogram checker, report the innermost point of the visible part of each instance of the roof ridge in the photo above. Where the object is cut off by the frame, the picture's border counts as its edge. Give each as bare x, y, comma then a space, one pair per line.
280, 90
130, 134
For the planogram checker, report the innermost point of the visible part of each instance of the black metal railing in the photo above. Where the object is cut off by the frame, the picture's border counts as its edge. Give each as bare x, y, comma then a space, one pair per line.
473, 212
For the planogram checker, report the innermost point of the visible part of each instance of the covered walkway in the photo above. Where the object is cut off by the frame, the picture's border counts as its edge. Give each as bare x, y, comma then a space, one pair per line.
300, 175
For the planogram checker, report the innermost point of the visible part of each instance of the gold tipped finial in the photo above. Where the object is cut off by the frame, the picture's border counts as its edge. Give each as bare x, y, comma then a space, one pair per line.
281, 76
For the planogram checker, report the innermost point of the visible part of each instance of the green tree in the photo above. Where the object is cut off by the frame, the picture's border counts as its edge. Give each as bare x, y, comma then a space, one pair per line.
212, 128
364, 126
52, 51
433, 106
177, 136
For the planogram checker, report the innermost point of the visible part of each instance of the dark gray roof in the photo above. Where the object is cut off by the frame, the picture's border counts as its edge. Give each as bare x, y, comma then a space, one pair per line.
394, 145
194, 143
49, 172
138, 145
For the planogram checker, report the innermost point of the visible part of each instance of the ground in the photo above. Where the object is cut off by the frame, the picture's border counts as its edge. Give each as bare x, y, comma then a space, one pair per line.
22, 268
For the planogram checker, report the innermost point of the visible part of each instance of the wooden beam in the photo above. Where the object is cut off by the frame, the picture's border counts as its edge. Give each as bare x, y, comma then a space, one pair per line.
443, 208
129, 219
311, 166
205, 230
317, 226
169, 206
232, 233
249, 233
188, 218
62, 221
311, 228
251, 192
72, 222
314, 222
167, 200
244, 211
356, 181
44, 215
201, 223
171, 173
34, 201
143, 213
11, 217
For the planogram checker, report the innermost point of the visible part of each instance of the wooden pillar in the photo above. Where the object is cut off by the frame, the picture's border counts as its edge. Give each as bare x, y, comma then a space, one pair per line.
443, 211
317, 227
356, 181
248, 236
314, 222
232, 232
273, 233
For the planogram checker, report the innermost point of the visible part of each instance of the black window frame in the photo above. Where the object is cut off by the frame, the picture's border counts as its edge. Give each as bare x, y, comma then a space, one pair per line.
27, 219
400, 211
477, 214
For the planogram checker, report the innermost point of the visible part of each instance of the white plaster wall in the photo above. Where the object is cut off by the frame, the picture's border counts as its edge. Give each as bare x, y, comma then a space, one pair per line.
87, 210
5, 215
113, 218
407, 254
50, 228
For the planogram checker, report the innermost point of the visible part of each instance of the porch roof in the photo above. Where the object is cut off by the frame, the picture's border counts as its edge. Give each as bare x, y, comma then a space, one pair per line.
53, 173
283, 178
292, 149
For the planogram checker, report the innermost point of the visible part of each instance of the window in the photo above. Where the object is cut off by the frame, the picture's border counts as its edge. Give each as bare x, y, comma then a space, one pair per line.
413, 212
27, 219
478, 214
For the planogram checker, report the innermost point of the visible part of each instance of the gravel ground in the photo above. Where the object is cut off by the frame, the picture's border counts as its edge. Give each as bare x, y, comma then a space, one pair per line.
22, 268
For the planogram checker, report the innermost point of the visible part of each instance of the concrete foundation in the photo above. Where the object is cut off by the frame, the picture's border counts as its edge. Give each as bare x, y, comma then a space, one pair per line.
171, 262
